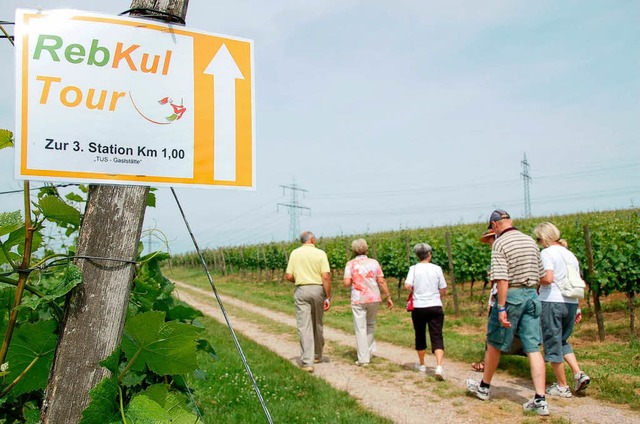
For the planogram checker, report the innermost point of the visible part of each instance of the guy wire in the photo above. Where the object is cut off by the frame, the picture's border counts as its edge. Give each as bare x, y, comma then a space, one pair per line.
224, 312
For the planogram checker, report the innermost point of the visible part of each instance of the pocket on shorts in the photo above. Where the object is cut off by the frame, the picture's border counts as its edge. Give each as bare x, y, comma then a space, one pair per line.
495, 332
537, 307
514, 299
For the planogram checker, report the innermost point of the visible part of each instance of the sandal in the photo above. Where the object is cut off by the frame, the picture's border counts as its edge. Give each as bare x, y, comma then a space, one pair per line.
478, 366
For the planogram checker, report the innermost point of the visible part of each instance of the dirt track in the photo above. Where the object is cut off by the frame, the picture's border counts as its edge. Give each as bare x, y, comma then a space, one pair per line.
393, 390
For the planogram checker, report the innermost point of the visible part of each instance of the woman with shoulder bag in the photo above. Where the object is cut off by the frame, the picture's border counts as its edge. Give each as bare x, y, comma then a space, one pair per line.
427, 283
559, 313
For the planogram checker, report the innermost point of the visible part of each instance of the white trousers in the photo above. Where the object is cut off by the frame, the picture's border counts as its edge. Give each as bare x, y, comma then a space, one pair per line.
364, 322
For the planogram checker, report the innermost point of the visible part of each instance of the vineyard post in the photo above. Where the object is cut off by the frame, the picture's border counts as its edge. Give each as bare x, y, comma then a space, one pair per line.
266, 263
631, 297
286, 261
214, 260
259, 264
242, 269
408, 250
452, 277
374, 254
224, 262
595, 288
95, 311
346, 251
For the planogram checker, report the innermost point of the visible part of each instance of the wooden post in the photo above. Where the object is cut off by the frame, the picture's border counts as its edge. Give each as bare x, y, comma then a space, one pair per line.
347, 251
224, 262
243, 268
595, 289
286, 261
214, 253
451, 273
631, 302
95, 310
259, 264
374, 254
408, 251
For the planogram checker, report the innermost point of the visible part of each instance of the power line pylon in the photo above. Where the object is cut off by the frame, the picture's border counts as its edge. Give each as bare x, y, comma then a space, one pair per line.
294, 208
527, 180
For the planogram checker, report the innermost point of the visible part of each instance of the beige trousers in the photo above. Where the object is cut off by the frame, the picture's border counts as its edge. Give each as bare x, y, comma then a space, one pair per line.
309, 301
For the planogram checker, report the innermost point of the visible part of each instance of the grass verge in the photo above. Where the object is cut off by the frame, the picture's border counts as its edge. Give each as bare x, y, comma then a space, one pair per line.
225, 393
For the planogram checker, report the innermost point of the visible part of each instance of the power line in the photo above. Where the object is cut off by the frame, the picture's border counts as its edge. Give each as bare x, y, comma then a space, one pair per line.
294, 208
20, 190
527, 180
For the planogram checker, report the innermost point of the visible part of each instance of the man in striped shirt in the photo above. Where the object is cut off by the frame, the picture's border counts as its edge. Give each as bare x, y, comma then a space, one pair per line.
516, 269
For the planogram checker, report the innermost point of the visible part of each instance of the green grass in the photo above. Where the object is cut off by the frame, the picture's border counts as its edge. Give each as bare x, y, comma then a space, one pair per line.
292, 396
613, 365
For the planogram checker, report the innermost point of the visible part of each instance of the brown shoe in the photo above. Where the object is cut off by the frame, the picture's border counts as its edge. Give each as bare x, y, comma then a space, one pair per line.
307, 368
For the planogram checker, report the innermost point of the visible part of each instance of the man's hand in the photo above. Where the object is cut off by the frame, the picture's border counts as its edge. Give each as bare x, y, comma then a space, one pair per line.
389, 302
327, 304
502, 317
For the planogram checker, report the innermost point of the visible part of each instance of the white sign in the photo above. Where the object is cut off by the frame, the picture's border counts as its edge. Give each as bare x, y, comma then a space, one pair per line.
121, 100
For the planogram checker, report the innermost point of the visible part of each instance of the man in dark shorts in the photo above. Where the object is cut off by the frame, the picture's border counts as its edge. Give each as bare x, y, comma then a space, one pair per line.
516, 269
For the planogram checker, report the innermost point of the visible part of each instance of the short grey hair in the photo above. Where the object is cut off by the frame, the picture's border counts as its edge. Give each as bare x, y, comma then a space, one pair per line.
359, 246
306, 237
422, 250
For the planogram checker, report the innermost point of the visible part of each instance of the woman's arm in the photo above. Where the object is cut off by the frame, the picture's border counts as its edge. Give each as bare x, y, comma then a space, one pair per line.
382, 283
408, 282
548, 277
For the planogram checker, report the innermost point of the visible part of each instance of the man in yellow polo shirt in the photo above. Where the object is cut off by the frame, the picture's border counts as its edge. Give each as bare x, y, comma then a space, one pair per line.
308, 268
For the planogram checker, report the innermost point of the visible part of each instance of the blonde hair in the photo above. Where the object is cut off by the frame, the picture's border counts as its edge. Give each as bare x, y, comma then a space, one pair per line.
547, 234
359, 246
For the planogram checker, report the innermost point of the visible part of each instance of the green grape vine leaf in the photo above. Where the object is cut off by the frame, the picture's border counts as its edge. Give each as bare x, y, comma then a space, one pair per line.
151, 198
10, 221
6, 138
143, 410
164, 347
111, 362
56, 210
31, 415
205, 346
104, 403
32, 342
173, 402
17, 238
74, 197
70, 279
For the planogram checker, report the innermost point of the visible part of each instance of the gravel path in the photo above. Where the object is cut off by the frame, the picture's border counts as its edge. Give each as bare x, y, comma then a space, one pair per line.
393, 390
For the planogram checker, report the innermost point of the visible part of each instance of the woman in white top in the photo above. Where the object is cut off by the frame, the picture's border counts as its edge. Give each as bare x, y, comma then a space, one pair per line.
427, 283
559, 313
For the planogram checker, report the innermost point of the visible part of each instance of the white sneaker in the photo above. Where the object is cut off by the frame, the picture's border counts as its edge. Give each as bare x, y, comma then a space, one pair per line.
474, 387
582, 380
439, 373
539, 406
421, 368
556, 390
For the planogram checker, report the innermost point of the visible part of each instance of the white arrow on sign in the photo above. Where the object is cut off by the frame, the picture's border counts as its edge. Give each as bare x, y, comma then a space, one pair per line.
225, 71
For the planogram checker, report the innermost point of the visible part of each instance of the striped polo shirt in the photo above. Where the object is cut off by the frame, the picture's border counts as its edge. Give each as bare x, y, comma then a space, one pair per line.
515, 257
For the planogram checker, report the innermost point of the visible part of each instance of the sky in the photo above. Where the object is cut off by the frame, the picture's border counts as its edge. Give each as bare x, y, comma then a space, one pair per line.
408, 114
